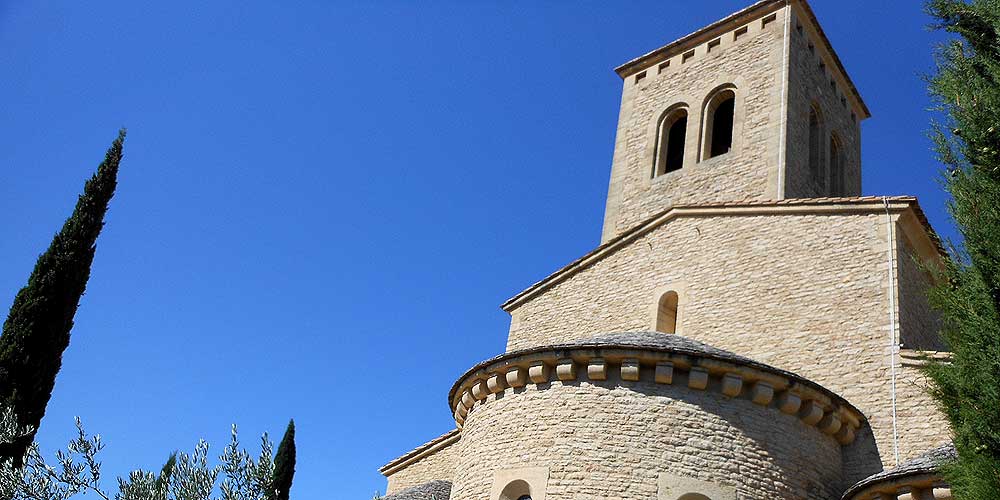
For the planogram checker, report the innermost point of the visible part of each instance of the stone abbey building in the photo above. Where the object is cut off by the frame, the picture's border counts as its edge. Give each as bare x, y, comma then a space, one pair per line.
750, 327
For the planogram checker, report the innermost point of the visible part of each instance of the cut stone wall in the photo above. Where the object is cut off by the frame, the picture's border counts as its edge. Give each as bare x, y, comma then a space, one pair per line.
918, 323
440, 464
751, 62
921, 424
810, 84
804, 292
615, 438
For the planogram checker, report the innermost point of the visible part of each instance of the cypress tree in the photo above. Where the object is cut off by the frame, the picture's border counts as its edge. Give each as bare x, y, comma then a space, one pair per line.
166, 471
37, 329
284, 465
967, 90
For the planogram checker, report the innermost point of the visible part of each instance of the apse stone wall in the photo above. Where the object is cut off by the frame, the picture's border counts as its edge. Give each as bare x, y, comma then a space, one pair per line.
614, 439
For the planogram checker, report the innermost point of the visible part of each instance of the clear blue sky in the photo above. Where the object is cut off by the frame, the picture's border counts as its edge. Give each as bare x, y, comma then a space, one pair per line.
322, 204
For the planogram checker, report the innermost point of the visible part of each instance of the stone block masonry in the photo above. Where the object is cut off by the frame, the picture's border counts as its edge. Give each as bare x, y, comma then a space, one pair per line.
806, 292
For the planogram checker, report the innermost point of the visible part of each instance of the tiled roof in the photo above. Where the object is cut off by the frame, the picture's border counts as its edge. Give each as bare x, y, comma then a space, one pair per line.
674, 343
433, 490
926, 463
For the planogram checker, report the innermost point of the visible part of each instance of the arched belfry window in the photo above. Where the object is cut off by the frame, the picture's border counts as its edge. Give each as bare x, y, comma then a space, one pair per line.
671, 134
837, 181
666, 313
816, 146
719, 118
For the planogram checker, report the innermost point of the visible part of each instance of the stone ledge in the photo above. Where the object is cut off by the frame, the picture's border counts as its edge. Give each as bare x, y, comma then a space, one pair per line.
733, 380
912, 357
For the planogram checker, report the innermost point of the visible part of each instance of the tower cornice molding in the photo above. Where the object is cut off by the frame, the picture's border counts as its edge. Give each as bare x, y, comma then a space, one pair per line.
733, 22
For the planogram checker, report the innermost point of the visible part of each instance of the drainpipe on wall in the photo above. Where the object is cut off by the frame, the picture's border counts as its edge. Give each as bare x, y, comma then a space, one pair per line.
893, 341
782, 154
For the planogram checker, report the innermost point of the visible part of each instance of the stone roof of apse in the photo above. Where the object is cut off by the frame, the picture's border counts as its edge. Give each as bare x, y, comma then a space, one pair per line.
654, 341
927, 463
432, 490
755, 11
743, 207
658, 340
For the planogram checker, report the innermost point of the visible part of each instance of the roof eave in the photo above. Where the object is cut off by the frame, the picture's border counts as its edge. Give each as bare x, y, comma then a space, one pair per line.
806, 205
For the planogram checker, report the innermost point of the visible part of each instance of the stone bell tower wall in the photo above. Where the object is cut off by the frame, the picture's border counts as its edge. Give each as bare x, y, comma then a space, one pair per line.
778, 64
815, 81
744, 52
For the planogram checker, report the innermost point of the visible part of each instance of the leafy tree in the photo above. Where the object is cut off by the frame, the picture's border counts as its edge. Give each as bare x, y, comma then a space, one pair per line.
284, 465
967, 90
77, 471
37, 329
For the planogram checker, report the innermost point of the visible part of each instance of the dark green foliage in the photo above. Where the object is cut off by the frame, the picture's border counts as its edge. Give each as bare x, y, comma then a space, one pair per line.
37, 328
967, 88
166, 471
284, 465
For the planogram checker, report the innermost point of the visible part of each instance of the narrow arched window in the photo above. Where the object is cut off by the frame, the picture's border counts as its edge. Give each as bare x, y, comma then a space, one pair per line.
837, 181
719, 117
693, 496
815, 147
666, 313
516, 490
670, 137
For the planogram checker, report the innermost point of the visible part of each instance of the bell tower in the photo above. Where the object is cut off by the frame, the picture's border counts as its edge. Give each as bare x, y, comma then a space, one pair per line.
756, 106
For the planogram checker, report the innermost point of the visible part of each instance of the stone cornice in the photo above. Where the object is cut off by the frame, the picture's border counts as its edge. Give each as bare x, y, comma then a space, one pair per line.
800, 206
713, 30
733, 22
734, 377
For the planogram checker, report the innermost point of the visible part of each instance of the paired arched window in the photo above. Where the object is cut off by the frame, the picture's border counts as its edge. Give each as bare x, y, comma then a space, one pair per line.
671, 133
720, 116
666, 313
837, 181
816, 146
